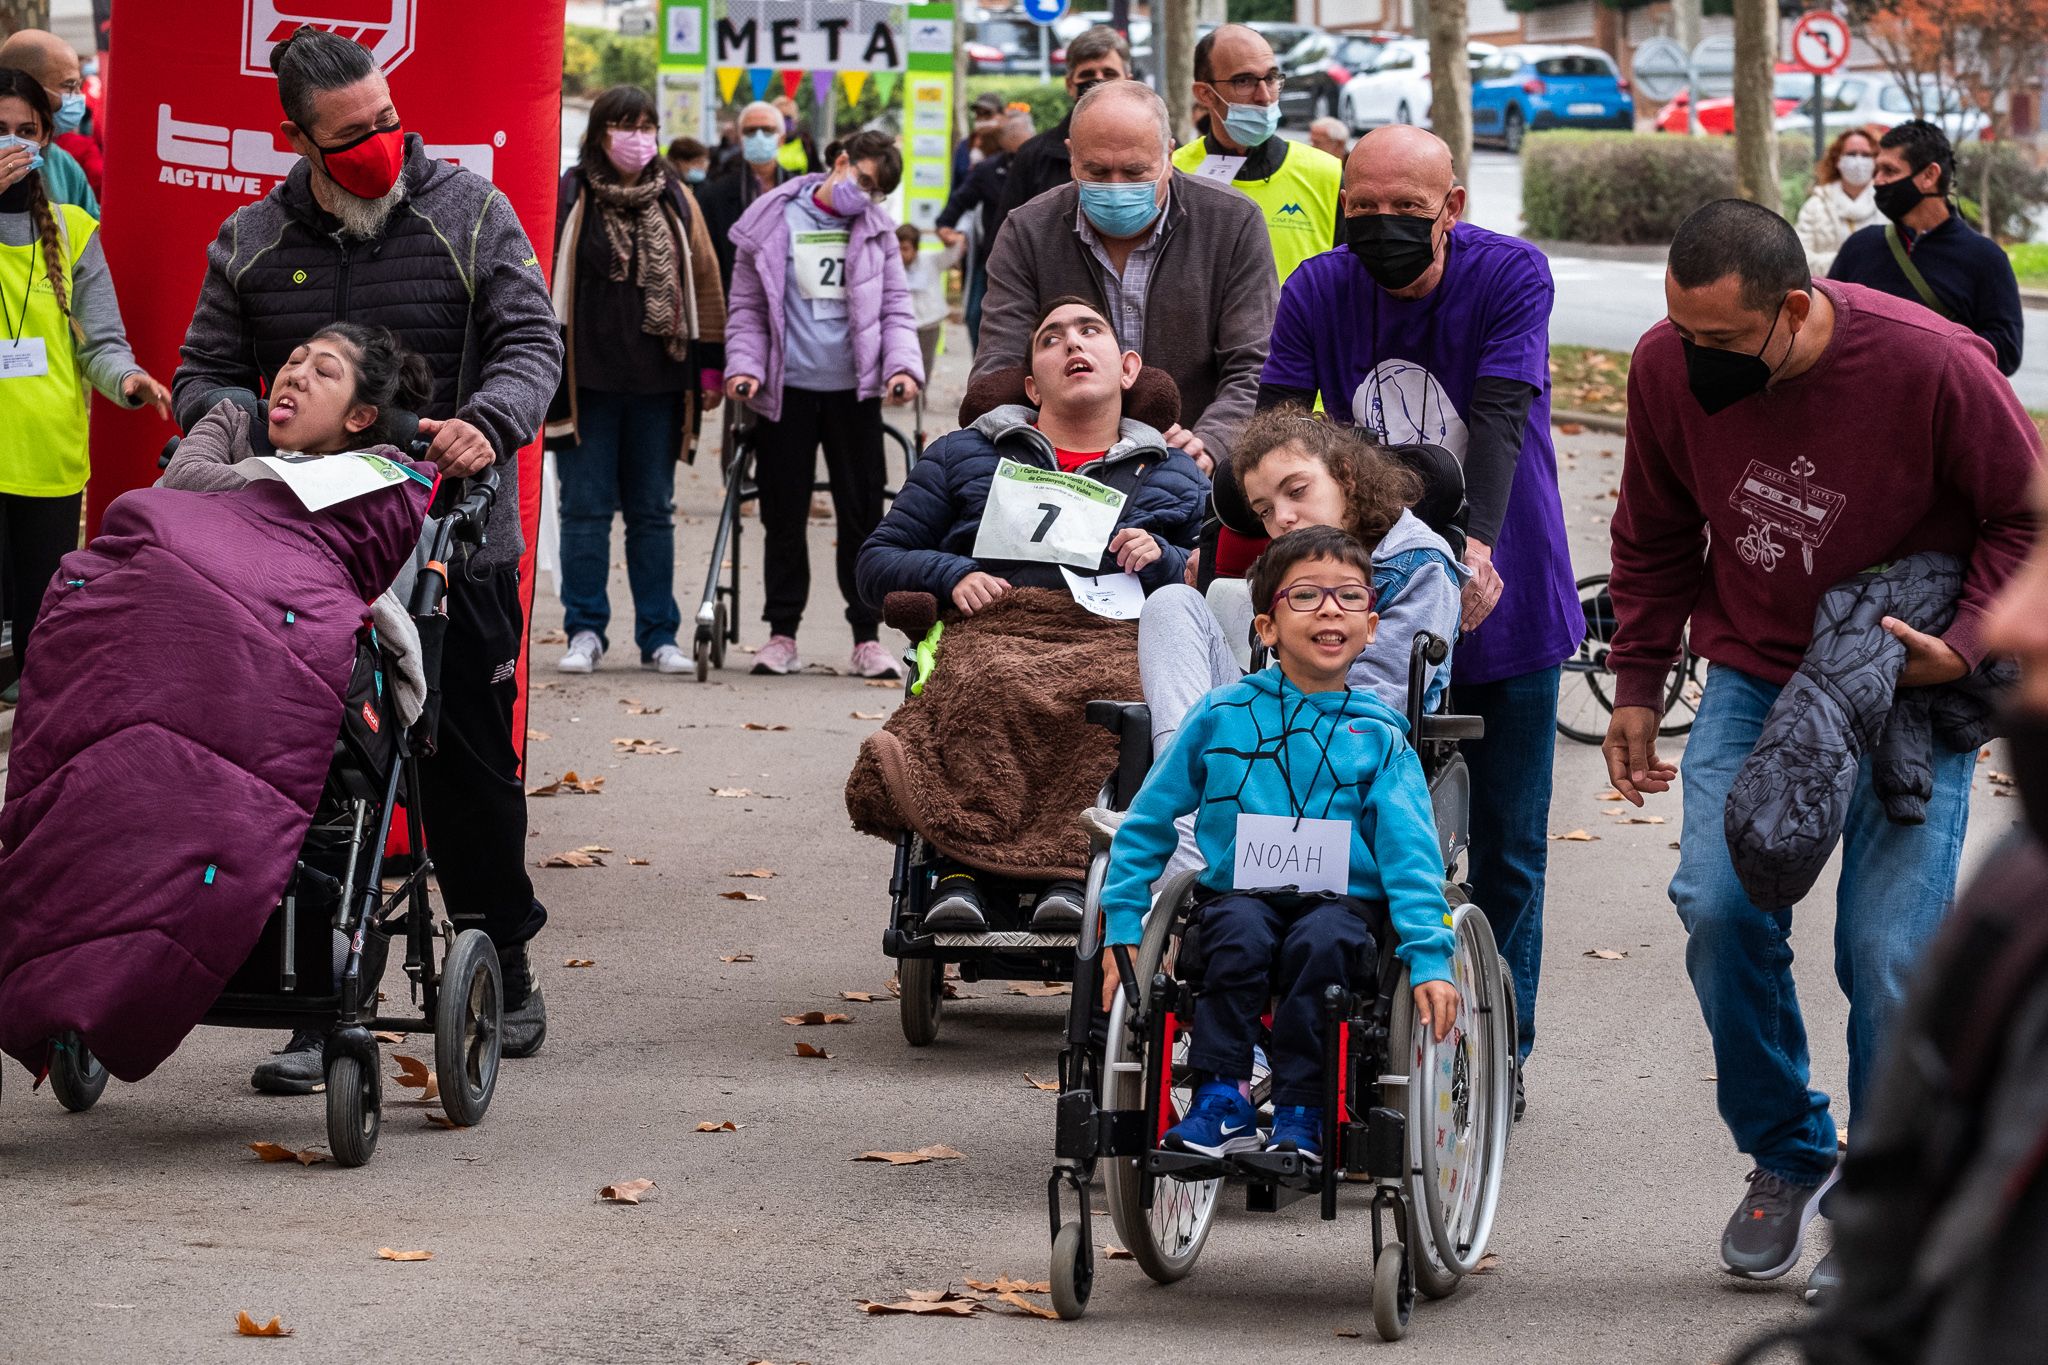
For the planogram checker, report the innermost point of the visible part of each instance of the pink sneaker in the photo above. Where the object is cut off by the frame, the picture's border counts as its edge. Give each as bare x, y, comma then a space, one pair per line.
870, 660
778, 656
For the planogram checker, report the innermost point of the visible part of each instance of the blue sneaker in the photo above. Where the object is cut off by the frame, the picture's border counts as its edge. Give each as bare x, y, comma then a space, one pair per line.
1297, 1128
1222, 1121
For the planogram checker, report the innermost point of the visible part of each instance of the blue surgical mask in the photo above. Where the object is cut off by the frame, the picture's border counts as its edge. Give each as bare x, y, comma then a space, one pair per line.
35, 149
70, 113
759, 146
1120, 210
1251, 125
695, 175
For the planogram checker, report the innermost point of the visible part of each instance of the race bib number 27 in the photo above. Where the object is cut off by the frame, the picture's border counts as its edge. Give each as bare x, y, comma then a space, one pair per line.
820, 260
1046, 517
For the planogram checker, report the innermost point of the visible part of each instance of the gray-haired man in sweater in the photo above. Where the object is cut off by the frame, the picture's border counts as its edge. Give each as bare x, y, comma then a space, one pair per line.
369, 229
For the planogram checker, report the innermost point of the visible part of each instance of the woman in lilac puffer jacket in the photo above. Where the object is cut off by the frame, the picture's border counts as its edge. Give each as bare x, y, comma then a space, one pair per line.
818, 329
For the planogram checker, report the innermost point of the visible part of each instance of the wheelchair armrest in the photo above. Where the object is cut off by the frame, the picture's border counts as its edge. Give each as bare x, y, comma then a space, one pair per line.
1131, 723
1116, 716
1452, 727
910, 612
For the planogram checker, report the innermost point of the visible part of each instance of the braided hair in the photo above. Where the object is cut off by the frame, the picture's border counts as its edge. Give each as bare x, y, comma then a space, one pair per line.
19, 85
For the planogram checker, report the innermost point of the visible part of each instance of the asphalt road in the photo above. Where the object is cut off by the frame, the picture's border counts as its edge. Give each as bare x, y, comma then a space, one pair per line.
136, 1232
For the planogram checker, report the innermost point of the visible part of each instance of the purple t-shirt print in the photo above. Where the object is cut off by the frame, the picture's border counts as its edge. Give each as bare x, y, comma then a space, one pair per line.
1406, 368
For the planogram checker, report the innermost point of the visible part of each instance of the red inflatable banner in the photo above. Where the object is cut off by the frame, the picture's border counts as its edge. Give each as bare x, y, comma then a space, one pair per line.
192, 131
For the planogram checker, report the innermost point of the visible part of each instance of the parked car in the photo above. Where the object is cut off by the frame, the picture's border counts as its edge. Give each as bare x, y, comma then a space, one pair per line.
1001, 47
1524, 89
1857, 99
1318, 67
1717, 115
1396, 87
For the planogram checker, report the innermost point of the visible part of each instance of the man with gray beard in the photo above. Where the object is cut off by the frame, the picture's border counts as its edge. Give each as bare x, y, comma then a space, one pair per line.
368, 228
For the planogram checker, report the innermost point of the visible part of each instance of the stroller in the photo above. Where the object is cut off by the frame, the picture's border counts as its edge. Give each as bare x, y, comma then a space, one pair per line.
323, 951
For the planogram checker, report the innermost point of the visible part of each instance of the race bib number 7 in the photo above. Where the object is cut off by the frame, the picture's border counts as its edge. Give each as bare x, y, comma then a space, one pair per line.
1046, 517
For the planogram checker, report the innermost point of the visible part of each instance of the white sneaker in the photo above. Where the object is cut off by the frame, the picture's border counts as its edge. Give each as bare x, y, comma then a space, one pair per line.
585, 649
670, 659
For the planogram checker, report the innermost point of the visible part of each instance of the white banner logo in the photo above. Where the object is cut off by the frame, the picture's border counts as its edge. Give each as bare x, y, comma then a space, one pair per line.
383, 26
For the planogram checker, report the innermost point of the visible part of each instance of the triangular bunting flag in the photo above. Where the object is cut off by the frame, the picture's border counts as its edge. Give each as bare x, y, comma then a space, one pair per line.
821, 87
728, 81
853, 82
885, 85
790, 81
758, 77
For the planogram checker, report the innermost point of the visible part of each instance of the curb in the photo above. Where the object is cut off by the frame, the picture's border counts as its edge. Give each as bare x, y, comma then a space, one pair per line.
1605, 423
2034, 298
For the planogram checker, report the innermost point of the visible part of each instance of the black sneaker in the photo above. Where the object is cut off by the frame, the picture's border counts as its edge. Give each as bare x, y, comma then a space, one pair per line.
526, 1013
1825, 1281
1058, 910
300, 1069
956, 904
1764, 1238
1521, 1095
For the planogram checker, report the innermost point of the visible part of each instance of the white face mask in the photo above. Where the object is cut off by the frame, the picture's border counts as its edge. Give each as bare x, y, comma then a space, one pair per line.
1857, 169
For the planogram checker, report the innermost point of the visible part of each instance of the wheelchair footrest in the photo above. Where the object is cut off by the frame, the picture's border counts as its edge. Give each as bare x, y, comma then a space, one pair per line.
1083, 1132
1172, 1165
1291, 1169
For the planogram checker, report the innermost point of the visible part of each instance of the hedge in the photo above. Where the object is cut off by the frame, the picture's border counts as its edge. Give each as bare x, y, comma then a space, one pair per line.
1625, 188
596, 59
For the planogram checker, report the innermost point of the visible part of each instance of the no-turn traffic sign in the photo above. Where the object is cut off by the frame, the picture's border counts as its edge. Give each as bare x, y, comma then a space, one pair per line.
1820, 43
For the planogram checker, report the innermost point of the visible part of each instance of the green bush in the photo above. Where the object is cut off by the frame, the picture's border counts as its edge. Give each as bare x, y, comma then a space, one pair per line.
2018, 187
1636, 187
1048, 99
595, 59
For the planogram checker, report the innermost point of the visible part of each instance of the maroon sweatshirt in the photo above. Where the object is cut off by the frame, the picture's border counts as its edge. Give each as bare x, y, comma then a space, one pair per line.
1902, 437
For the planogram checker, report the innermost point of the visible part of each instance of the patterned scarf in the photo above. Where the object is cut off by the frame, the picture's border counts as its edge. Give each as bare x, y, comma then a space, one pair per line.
635, 211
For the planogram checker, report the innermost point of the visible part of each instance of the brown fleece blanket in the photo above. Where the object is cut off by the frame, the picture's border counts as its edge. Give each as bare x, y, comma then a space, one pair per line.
993, 762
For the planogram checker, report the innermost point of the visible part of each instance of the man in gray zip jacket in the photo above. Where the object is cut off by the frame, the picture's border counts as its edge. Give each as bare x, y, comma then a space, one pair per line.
369, 229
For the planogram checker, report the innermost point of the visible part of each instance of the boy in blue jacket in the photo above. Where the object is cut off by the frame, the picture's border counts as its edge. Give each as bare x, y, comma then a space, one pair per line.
1310, 806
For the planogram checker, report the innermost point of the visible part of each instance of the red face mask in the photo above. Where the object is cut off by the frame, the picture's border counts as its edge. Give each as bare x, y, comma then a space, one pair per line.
368, 167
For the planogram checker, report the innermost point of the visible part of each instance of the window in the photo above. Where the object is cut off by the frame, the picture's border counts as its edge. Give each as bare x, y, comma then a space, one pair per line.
1846, 97
1571, 66
1395, 59
1893, 100
1500, 67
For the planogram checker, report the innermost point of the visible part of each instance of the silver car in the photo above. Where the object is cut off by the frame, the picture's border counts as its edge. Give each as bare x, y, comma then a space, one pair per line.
1857, 99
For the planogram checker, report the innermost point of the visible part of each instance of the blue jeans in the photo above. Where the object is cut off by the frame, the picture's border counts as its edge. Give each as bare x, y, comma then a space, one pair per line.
977, 290
1897, 882
1511, 819
625, 462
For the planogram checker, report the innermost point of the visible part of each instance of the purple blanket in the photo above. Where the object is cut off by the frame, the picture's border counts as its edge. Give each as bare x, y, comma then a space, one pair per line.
178, 713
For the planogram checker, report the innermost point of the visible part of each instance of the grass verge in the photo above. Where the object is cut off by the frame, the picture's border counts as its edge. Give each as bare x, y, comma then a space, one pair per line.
2030, 263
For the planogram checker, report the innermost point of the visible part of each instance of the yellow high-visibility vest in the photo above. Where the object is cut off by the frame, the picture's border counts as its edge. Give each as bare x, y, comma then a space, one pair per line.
1299, 200
43, 431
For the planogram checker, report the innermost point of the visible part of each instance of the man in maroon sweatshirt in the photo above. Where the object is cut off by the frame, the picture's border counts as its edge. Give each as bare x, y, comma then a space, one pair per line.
1785, 434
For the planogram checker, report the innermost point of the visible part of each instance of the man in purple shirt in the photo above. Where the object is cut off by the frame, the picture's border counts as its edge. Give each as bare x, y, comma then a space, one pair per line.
1426, 329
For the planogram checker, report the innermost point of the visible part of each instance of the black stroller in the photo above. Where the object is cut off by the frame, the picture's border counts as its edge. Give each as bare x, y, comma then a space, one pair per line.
323, 952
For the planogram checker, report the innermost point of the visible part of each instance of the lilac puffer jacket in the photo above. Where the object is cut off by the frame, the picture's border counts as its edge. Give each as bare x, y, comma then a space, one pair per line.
877, 299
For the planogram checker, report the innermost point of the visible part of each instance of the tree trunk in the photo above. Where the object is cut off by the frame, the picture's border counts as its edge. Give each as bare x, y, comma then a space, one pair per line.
1756, 141
1450, 101
16, 15
1173, 25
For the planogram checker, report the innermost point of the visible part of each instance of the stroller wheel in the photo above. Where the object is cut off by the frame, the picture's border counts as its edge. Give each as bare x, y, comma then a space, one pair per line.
76, 1076
353, 1114
468, 1027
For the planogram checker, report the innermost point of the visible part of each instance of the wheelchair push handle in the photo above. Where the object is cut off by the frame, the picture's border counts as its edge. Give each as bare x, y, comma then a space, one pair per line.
466, 521
1426, 654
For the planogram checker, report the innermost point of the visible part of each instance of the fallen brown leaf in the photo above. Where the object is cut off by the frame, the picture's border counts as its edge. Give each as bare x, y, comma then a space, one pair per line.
1349, 1332
1486, 1263
246, 1326
1110, 1253
868, 715
1577, 836
1039, 989
570, 783
859, 997
757, 873
643, 746
732, 793
387, 1254
389, 1037
948, 1307
756, 725
275, 1151
1640, 820
883, 682
1037, 1084
575, 857
443, 1121
1027, 1307
625, 1191
539, 736
726, 1127
1605, 954
806, 1050
579, 962
1572, 428
2000, 779
634, 708
741, 896
636, 862
938, 1151
737, 957
1609, 796
816, 1017
415, 1074
1003, 1284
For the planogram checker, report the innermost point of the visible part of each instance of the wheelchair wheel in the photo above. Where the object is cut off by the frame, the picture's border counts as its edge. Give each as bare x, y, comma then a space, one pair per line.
1073, 1272
1390, 1304
1460, 1103
76, 1077
354, 1118
468, 1027
1585, 694
921, 991
1165, 1239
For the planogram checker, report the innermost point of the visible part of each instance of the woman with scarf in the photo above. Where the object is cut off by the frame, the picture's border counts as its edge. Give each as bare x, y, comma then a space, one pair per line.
637, 292
1841, 202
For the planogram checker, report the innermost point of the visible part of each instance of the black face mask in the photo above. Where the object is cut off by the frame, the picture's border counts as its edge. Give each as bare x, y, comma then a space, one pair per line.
2026, 735
14, 199
1899, 198
1721, 379
1394, 248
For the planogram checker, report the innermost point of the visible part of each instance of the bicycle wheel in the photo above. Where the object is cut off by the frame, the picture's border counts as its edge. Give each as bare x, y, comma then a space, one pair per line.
1585, 694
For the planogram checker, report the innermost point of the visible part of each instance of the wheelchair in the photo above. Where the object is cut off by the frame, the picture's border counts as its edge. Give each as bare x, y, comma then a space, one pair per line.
1423, 1123
323, 952
718, 609
1585, 695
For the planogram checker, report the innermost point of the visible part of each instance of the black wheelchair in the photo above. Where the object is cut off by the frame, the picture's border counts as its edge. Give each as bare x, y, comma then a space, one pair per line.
1585, 696
1424, 1123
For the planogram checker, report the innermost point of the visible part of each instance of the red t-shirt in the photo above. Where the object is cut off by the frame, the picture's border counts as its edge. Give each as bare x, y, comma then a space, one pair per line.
1071, 460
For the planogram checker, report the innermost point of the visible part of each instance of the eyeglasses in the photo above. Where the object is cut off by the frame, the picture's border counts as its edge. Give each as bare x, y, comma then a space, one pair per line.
1307, 597
643, 126
1244, 87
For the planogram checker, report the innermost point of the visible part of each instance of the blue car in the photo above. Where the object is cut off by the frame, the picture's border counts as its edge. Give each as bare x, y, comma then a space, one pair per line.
1523, 89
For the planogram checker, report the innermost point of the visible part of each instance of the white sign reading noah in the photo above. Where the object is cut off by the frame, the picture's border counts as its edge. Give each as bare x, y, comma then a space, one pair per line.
810, 35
